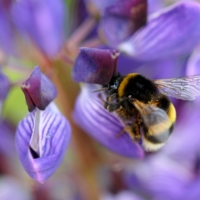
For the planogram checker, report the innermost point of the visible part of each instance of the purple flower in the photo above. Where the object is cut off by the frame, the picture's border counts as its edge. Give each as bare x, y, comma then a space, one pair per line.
97, 7
7, 142
10, 188
122, 19
39, 91
161, 37
95, 65
89, 111
4, 86
41, 140
105, 127
42, 22
7, 29
123, 195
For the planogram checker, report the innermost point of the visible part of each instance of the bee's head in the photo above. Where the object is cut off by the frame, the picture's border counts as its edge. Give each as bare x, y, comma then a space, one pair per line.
112, 86
114, 82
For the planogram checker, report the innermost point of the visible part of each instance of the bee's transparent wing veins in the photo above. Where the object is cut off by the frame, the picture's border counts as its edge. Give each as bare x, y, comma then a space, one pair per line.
185, 88
153, 117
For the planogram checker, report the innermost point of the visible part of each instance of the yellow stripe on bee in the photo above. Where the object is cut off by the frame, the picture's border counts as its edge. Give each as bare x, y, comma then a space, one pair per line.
124, 83
172, 113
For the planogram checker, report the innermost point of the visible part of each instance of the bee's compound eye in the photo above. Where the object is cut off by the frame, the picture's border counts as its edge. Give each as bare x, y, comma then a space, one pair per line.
130, 96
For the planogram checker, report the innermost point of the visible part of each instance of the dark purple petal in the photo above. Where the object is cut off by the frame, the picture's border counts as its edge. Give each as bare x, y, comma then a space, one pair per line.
122, 19
169, 32
47, 133
4, 86
39, 91
90, 115
42, 21
95, 65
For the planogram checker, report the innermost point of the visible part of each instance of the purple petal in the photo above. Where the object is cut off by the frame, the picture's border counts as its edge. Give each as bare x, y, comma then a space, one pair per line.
42, 21
155, 5
7, 142
192, 190
168, 178
95, 65
4, 86
122, 195
48, 134
90, 115
39, 91
170, 32
156, 69
98, 7
6, 28
122, 19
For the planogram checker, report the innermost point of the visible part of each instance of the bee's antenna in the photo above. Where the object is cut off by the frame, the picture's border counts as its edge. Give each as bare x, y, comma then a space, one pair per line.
102, 89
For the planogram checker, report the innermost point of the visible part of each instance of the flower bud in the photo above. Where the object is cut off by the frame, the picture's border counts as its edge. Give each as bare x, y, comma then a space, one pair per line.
39, 91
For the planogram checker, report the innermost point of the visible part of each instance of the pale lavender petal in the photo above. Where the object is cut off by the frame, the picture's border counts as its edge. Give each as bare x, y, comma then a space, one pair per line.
155, 5
90, 115
122, 195
42, 21
159, 177
193, 65
53, 139
10, 189
169, 32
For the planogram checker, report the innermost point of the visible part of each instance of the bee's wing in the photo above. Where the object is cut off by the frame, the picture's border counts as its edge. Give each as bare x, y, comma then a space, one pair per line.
155, 119
185, 88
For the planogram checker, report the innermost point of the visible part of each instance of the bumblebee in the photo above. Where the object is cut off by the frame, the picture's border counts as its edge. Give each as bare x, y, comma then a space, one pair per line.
144, 107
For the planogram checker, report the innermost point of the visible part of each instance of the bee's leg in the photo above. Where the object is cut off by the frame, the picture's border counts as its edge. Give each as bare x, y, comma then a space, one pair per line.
108, 105
136, 132
136, 128
111, 107
112, 97
126, 129
133, 130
